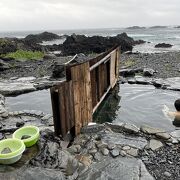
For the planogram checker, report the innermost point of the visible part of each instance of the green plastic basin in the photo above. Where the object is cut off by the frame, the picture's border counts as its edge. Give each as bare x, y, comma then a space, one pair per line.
16, 148
31, 131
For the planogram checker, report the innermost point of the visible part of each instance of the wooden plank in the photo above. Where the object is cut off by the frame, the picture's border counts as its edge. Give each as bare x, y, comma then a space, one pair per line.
55, 110
62, 111
89, 109
101, 80
117, 62
93, 88
99, 62
113, 78
102, 98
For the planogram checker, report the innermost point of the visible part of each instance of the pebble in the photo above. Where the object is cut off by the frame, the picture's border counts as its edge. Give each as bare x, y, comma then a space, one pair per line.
97, 156
133, 152
46, 117
115, 152
92, 151
4, 115
101, 145
105, 151
167, 174
123, 153
111, 146
125, 148
20, 124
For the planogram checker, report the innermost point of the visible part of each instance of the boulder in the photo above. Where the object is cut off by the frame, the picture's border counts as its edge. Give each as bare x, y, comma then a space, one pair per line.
126, 72
163, 45
148, 72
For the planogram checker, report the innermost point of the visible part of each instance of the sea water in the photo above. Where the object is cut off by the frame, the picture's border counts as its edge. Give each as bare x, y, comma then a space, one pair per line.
152, 36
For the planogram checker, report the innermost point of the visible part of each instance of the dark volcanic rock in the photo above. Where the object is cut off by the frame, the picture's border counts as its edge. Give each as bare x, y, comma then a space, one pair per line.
7, 45
38, 38
163, 45
148, 72
81, 44
58, 70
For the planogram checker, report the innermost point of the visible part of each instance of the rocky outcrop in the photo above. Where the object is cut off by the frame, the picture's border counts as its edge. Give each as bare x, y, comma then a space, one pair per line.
163, 45
96, 44
38, 38
7, 45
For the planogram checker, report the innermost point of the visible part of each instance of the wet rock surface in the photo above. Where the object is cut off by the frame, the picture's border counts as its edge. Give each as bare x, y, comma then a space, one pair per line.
120, 168
18, 86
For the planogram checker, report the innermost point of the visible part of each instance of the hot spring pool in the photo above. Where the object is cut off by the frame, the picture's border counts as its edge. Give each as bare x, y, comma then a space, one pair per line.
136, 104
139, 104
38, 100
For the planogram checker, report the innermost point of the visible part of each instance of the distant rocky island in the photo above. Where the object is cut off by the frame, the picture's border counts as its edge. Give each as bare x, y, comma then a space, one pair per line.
136, 27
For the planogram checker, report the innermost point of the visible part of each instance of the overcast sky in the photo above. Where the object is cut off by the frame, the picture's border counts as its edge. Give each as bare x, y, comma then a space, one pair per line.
81, 14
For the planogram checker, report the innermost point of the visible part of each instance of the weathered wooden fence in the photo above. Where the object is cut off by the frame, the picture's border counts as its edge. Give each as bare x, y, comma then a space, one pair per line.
75, 100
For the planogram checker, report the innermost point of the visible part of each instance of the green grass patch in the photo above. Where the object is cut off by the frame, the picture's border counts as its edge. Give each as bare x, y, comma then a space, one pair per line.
129, 62
22, 55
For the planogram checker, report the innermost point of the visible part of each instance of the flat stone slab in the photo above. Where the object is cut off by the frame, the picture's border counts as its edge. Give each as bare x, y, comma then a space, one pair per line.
117, 169
151, 130
155, 144
25, 84
15, 88
120, 139
175, 134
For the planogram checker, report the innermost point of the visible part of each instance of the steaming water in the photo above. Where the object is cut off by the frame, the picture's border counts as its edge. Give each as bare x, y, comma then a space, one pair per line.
153, 35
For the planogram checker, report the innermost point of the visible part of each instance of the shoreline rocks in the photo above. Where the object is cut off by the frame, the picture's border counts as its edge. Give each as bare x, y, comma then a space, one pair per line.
163, 45
110, 143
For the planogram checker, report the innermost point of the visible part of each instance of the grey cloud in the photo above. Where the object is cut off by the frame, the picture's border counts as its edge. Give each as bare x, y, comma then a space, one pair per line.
65, 14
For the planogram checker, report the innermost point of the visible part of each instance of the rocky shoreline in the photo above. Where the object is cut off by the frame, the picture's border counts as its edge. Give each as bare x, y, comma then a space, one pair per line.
116, 151
102, 151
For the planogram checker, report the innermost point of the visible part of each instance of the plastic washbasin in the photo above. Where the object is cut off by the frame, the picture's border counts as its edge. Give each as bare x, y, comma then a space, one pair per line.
16, 146
31, 131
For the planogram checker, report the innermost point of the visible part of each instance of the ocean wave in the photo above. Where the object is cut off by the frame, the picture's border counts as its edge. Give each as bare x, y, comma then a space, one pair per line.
141, 35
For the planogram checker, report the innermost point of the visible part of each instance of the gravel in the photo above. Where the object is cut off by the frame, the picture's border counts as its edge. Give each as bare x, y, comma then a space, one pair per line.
166, 65
164, 163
